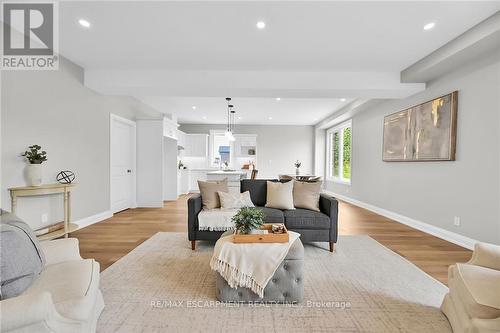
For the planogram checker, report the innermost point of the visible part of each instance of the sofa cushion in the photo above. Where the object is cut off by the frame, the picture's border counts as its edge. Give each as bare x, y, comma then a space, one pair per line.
478, 289
306, 219
258, 190
280, 195
73, 285
272, 215
209, 192
235, 200
22, 259
306, 195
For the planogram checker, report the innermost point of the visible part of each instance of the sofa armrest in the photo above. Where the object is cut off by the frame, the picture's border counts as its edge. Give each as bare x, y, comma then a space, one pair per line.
330, 206
195, 206
35, 310
61, 250
486, 255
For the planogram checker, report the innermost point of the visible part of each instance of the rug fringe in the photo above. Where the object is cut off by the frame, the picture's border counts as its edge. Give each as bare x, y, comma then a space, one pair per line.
215, 228
234, 277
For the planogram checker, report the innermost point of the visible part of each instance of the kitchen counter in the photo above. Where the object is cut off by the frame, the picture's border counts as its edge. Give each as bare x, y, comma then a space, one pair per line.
220, 172
233, 178
211, 174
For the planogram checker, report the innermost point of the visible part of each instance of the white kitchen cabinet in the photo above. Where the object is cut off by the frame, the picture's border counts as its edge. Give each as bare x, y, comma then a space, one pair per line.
181, 139
196, 145
194, 176
233, 179
170, 128
245, 145
182, 181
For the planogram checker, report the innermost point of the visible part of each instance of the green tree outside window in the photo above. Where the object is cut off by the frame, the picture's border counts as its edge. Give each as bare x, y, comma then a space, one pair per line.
346, 153
340, 153
336, 154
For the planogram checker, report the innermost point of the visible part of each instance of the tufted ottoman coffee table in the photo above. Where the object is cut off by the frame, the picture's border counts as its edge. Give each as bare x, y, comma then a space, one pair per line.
286, 285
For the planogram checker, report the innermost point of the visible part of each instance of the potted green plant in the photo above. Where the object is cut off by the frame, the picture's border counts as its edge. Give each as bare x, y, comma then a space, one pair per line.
35, 157
297, 167
248, 219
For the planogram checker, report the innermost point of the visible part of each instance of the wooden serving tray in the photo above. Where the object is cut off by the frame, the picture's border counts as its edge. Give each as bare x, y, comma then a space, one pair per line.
264, 238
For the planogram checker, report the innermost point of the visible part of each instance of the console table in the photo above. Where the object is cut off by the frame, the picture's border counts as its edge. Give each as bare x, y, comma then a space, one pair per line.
47, 189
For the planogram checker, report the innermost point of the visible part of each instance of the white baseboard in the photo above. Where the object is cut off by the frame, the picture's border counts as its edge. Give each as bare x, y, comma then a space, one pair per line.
86, 221
449, 236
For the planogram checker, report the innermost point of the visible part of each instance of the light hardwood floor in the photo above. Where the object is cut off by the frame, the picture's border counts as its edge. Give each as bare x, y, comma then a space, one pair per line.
113, 238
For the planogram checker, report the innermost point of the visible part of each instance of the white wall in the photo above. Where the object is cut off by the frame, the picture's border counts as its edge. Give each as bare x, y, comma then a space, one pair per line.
150, 159
278, 146
320, 152
169, 169
71, 122
435, 192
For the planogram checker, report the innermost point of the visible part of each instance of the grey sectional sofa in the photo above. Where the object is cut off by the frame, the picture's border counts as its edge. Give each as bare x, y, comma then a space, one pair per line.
313, 226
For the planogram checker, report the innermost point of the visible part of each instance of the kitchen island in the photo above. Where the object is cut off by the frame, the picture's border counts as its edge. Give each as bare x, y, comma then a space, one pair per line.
233, 178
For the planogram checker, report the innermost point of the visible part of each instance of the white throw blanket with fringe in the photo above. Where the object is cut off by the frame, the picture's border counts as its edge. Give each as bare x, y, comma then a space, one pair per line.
249, 265
216, 219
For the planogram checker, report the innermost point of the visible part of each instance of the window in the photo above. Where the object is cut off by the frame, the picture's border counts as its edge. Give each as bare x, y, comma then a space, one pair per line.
338, 162
221, 149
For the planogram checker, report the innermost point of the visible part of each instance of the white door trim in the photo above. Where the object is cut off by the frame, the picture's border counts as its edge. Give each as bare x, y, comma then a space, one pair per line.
113, 118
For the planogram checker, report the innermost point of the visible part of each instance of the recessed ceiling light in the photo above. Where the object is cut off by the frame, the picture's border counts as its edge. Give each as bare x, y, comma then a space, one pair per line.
240, 118
342, 99
84, 23
270, 118
261, 25
193, 107
429, 26
278, 99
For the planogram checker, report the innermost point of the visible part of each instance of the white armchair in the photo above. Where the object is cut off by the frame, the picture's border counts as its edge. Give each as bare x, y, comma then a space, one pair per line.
64, 298
473, 302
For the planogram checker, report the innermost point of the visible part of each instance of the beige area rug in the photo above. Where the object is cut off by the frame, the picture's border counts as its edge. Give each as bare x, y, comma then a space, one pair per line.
163, 286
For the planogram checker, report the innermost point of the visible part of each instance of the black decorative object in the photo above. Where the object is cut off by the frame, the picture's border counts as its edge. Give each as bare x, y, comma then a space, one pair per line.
65, 177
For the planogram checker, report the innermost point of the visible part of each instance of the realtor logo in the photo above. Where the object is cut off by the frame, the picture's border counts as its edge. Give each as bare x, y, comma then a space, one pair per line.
30, 39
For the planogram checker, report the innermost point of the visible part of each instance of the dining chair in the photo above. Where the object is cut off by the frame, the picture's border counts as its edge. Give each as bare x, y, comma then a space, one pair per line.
254, 174
313, 179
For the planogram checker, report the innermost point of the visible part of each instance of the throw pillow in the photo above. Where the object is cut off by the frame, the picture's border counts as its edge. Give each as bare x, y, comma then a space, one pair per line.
280, 195
22, 258
209, 195
235, 200
306, 195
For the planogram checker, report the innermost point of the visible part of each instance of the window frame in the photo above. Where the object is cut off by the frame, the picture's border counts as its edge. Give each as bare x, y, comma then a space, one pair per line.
329, 153
211, 143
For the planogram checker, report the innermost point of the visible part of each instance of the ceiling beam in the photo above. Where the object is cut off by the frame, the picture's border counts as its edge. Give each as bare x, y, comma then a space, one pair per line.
250, 84
480, 40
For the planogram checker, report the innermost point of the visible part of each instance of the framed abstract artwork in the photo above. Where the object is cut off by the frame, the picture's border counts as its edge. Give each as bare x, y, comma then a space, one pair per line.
425, 132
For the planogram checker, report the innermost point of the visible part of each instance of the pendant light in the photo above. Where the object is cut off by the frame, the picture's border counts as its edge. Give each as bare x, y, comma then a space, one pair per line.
232, 138
230, 121
228, 125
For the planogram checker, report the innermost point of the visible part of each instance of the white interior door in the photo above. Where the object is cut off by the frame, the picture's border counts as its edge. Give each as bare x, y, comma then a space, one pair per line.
123, 163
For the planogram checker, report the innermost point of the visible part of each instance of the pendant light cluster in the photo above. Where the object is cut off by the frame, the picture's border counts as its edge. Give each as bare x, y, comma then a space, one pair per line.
230, 120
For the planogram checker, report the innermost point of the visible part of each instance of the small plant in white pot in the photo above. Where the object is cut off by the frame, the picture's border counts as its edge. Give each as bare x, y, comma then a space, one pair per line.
248, 219
35, 156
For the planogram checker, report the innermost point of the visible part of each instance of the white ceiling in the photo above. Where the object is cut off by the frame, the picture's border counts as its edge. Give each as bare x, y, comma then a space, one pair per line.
212, 110
179, 54
299, 36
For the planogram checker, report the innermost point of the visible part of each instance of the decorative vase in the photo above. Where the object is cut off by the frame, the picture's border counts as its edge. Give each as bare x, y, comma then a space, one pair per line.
34, 174
297, 171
